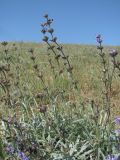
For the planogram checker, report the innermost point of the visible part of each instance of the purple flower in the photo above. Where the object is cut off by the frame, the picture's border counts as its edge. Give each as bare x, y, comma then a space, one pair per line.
117, 131
22, 156
117, 120
111, 157
113, 53
98, 38
10, 149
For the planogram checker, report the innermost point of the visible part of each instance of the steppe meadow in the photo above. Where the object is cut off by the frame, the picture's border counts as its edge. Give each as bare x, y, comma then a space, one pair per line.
59, 101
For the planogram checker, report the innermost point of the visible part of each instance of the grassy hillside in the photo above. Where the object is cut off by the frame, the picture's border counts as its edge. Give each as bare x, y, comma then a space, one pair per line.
87, 69
48, 113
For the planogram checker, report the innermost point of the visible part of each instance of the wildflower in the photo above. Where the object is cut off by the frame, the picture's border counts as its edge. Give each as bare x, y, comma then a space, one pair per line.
11, 120
43, 31
117, 131
22, 156
113, 53
43, 108
111, 157
49, 21
98, 38
45, 39
51, 30
10, 149
117, 120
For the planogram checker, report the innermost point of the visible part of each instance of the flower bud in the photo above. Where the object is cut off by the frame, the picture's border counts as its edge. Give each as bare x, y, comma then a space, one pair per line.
45, 39
113, 53
51, 30
98, 38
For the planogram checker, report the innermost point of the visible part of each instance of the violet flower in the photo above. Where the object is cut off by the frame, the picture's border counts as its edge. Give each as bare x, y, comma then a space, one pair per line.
98, 38
111, 157
22, 156
10, 149
117, 120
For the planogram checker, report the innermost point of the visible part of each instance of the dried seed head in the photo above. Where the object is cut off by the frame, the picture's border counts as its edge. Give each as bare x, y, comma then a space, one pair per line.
57, 56
113, 53
46, 16
40, 95
43, 108
42, 25
59, 48
54, 39
45, 39
49, 21
43, 31
51, 30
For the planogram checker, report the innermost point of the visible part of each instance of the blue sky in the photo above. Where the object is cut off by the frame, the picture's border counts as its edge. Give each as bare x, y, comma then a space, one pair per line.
75, 21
